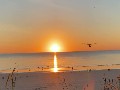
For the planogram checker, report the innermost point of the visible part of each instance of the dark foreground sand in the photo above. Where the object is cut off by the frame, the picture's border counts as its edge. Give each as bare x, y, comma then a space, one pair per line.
73, 80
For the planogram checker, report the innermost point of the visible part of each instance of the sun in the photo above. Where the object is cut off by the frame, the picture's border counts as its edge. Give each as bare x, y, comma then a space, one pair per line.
55, 48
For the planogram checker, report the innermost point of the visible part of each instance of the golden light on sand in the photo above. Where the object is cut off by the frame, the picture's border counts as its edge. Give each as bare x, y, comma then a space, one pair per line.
55, 48
55, 69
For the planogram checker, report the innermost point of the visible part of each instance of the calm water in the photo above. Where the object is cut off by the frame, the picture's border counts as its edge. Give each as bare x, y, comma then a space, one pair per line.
66, 60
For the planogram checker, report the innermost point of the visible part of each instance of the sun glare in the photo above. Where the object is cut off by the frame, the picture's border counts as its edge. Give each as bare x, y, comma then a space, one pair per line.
55, 48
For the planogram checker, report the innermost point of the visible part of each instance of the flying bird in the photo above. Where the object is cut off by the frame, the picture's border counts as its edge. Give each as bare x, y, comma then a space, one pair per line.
89, 44
94, 7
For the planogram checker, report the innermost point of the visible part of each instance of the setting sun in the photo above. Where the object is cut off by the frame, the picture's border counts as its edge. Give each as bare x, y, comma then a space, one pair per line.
55, 48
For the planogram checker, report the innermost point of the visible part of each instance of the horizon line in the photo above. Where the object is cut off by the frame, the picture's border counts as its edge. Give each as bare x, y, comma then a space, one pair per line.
58, 52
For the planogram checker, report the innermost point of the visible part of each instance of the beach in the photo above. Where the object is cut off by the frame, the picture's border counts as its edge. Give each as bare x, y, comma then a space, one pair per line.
96, 70
69, 80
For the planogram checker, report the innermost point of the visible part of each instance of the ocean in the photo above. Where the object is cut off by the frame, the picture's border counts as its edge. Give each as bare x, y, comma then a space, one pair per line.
66, 61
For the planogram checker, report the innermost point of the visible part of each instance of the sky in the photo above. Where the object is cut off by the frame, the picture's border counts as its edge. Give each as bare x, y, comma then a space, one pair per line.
33, 25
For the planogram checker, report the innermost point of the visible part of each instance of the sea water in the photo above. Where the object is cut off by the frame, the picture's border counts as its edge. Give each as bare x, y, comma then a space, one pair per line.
66, 61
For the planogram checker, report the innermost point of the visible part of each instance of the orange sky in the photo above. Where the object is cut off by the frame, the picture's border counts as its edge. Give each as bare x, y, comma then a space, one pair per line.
32, 25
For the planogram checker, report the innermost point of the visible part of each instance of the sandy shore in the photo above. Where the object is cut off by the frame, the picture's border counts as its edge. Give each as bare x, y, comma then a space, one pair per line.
73, 80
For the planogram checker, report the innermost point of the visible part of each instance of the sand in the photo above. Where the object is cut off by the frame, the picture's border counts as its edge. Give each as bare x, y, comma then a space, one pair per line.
70, 80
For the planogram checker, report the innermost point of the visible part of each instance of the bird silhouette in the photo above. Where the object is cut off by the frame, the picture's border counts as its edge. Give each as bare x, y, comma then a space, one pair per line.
89, 44
94, 7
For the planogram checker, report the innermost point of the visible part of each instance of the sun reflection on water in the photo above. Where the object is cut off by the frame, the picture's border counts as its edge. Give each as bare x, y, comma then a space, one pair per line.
55, 69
